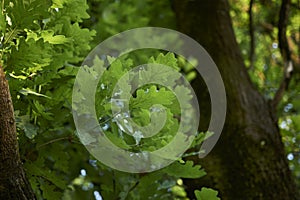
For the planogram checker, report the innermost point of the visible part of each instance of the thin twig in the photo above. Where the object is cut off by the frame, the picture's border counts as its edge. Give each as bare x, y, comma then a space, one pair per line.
52, 141
133, 187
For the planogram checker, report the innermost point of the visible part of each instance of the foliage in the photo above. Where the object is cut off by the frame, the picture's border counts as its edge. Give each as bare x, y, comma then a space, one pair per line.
206, 193
109, 17
42, 43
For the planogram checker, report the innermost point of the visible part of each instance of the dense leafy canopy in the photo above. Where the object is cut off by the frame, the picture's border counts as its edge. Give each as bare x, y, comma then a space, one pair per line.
44, 42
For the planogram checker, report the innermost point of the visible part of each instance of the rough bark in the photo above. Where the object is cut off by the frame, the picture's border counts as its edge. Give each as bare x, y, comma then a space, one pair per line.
13, 182
248, 161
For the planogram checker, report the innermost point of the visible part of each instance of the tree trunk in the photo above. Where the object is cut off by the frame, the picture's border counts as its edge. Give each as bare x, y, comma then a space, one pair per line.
249, 160
13, 182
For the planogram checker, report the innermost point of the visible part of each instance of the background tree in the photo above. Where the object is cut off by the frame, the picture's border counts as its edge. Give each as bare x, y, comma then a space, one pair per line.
249, 161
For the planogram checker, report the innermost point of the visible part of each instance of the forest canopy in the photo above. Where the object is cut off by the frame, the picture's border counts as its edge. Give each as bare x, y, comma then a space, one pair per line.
256, 48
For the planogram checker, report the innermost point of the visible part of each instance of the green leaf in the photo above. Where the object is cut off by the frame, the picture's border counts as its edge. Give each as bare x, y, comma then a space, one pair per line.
118, 141
184, 170
32, 56
74, 9
168, 60
145, 99
42, 111
178, 191
49, 36
50, 191
24, 13
23, 122
46, 175
28, 91
58, 3
206, 194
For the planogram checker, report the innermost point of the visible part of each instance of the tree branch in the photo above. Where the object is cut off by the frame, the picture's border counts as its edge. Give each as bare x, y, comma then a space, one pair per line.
285, 52
252, 38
